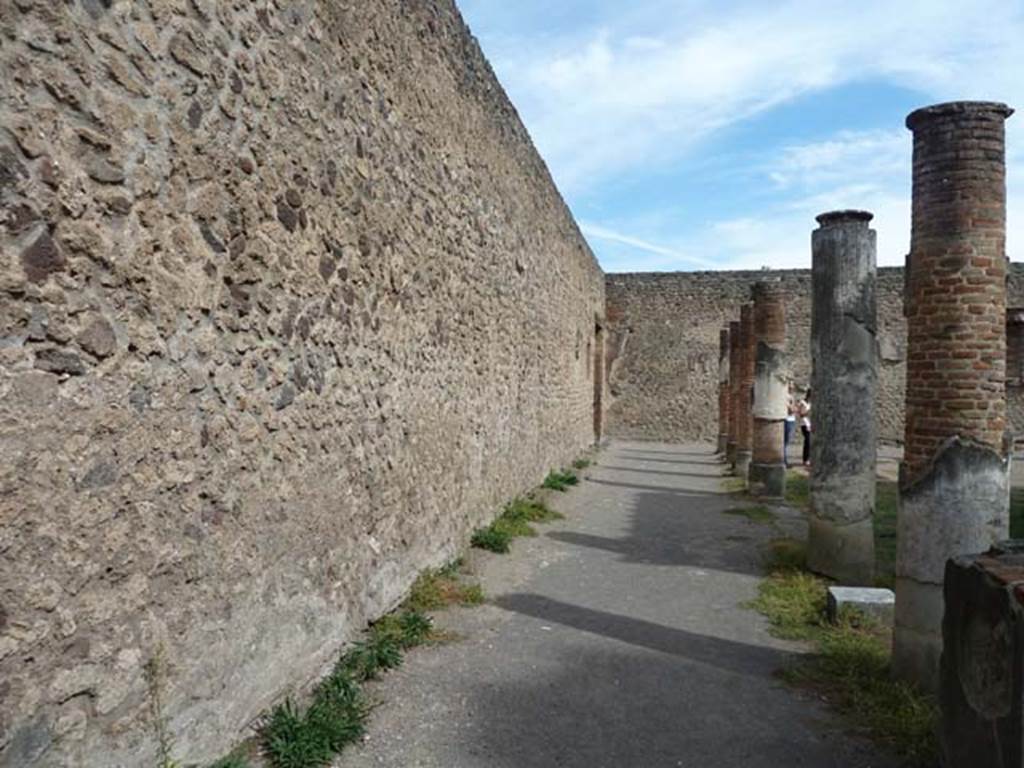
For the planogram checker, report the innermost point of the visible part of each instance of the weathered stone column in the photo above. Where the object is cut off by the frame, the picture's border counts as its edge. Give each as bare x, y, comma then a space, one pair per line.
767, 476
1015, 346
734, 392
844, 383
744, 415
723, 389
954, 479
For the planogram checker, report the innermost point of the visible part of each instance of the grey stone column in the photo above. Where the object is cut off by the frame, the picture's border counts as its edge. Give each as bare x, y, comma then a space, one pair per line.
955, 474
734, 387
723, 390
745, 393
767, 476
844, 384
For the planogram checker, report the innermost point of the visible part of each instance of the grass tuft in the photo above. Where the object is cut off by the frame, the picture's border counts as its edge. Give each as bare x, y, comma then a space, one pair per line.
336, 715
514, 522
581, 463
436, 589
560, 481
759, 514
231, 761
731, 484
851, 666
798, 489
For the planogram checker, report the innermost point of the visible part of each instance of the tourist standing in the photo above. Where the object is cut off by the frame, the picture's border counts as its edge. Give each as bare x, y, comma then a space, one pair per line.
803, 409
789, 427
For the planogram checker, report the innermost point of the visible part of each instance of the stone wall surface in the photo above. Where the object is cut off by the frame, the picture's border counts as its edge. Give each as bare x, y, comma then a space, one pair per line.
288, 305
664, 331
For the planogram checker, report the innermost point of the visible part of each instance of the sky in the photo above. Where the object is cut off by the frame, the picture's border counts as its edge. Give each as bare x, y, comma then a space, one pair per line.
708, 134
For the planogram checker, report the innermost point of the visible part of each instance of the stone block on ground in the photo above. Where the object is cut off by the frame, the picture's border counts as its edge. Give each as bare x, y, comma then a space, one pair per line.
877, 604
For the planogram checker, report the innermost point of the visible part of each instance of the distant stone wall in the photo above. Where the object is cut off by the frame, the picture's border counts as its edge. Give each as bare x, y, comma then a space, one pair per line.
288, 305
663, 346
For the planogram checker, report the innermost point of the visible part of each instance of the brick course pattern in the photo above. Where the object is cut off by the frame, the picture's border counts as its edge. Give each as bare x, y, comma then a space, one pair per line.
665, 333
956, 284
288, 306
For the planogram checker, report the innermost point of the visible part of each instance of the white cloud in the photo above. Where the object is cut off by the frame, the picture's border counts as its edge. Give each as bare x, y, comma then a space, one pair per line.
648, 86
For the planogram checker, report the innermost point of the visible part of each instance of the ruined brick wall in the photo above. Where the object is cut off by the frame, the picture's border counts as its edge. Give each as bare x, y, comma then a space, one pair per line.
288, 305
664, 331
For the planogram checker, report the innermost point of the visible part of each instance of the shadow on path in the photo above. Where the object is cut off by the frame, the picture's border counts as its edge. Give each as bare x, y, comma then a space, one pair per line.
729, 655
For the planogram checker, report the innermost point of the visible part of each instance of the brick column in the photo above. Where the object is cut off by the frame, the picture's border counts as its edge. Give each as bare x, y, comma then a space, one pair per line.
844, 383
745, 394
954, 479
723, 390
767, 476
734, 392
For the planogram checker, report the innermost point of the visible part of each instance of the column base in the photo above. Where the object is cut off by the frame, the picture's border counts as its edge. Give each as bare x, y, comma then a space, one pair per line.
730, 454
767, 481
960, 506
917, 634
842, 551
723, 441
742, 463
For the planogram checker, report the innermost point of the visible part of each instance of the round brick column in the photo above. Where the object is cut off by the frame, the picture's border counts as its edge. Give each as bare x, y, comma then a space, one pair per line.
954, 479
745, 394
723, 390
844, 385
734, 392
767, 475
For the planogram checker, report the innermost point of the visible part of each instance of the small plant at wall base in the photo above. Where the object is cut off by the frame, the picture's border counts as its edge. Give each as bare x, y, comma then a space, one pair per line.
560, 481
514, 522
336, 715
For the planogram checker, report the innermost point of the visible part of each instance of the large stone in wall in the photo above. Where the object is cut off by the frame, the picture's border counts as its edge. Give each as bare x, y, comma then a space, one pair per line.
288, 305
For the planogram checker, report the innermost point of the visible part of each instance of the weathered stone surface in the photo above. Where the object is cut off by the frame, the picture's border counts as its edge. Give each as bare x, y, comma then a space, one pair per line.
877, 604
724, 392
303, 309
664, 330
767, 474
954, 478
981, 689
745, 393
844, 380
733, 393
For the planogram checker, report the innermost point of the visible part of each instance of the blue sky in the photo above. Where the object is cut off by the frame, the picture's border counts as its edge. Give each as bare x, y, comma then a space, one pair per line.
707, 134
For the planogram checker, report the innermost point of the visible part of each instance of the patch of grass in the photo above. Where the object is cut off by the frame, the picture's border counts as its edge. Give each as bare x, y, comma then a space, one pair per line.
886, 501
514, 522
492, 539
1016, 513
758, 514
231, 761
786, 555
851, 666
336, 715
581, 463
436, 589
731, 484
798, 489
560, 481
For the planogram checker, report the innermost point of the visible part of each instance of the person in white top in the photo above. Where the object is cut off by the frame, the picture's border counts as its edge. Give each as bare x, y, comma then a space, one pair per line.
789, 427
803, 410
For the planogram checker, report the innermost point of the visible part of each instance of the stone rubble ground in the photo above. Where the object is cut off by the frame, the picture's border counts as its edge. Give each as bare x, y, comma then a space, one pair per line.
616, 638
